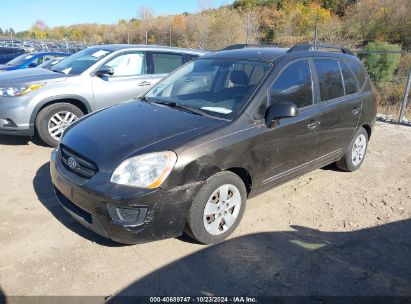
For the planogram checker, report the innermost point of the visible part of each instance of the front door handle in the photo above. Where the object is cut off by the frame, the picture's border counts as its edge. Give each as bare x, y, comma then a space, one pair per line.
313, 124
356, 111
144, 83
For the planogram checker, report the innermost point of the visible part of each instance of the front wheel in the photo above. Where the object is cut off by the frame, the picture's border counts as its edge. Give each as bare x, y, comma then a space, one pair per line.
217, 209
355, 154
54, 119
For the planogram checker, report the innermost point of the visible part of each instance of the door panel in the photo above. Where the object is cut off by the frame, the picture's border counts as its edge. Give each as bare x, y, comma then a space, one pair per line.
130, 80
290, 147
338, 123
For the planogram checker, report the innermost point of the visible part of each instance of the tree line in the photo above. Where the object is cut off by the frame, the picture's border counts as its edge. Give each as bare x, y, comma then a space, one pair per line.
282, 22
372, 25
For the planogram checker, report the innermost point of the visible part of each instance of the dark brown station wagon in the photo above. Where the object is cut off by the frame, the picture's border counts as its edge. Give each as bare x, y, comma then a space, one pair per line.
221, 129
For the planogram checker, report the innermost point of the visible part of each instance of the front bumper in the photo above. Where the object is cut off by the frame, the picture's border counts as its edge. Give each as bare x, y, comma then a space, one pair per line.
87, 202
15, 115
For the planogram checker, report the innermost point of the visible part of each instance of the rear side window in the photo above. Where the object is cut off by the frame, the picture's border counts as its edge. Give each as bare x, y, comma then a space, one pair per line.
350, 84
165, 63
358, 71
329, 79
294, 85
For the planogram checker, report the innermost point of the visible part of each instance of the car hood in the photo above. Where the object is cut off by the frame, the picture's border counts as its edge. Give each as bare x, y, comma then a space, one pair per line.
4, 67
110, 136
29, 76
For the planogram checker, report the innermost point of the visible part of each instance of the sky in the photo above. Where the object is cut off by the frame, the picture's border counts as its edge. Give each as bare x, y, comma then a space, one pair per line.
21, 14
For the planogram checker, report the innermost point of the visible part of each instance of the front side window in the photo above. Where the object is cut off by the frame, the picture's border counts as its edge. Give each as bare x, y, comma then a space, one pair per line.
329, 79
294, 85
129, 64
165, 63
215, 87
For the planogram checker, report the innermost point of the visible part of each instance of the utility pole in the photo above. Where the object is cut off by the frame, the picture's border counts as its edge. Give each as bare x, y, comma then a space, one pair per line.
405, 98
146, 38
247, 25
11, 36
315, 29
170, 33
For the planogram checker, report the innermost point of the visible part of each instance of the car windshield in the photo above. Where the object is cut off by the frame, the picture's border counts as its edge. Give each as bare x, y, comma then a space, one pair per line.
49, 63
215, 87
20, 60
81, 61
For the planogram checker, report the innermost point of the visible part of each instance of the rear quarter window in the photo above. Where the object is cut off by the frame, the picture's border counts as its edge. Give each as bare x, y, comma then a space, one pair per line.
358, 70
350, 84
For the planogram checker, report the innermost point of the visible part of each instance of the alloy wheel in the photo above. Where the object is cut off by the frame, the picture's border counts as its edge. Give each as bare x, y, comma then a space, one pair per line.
59, 122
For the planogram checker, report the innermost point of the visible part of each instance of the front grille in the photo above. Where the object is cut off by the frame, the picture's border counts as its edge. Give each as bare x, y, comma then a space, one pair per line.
83, 167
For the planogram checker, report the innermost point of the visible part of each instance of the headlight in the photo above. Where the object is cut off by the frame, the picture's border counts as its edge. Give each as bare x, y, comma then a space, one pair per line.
145, 171
19, 90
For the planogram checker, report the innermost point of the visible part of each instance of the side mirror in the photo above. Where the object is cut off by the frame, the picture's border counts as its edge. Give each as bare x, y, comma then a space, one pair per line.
105, 71
279, 110
32, 65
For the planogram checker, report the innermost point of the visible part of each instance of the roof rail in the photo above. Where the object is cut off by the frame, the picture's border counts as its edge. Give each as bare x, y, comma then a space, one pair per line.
310, 47
242, 46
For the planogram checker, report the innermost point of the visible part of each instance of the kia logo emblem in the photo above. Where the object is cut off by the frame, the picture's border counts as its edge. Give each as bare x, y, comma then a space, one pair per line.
72, 163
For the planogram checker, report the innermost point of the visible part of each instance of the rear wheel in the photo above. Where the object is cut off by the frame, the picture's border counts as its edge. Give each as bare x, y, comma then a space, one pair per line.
54, 119
217, 209
355, 154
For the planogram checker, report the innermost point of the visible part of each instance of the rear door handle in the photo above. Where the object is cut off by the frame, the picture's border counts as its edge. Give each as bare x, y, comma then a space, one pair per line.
356, 111
144, 83
313, 124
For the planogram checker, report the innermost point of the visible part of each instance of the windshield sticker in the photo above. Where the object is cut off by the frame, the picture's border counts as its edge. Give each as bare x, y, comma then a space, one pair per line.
66, 71
217, 110
99, 54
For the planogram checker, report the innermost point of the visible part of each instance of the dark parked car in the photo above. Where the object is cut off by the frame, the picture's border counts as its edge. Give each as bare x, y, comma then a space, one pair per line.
30, 60
223, 128
9, 53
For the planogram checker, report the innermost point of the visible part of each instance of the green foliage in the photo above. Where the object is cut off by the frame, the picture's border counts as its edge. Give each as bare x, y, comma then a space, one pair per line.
338, 7
381, 66
248, 4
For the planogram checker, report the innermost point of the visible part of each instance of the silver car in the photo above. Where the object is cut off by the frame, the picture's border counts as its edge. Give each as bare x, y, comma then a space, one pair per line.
45, 102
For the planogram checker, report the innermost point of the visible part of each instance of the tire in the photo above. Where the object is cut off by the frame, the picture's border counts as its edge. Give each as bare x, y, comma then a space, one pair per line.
226, 218
47, 117
353, 159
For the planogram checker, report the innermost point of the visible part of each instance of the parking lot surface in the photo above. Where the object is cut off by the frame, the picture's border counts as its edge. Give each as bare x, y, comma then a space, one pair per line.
325, 233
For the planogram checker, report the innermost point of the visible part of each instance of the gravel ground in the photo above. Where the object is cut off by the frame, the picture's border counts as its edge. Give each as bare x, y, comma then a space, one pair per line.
325, 233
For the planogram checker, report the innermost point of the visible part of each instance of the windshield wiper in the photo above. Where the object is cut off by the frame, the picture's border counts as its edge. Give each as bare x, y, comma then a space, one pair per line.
174, 105
144, 98
56, 71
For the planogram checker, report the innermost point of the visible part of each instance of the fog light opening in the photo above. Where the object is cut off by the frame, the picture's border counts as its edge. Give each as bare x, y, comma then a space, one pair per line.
127, 216
7, 122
